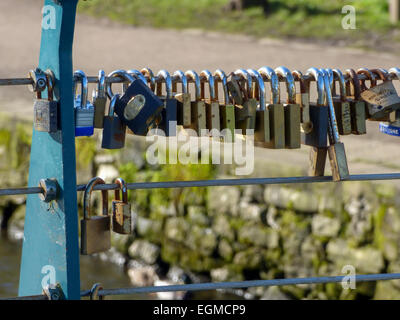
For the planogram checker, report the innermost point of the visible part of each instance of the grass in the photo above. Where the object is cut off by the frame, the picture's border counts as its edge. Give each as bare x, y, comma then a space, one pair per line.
310, 19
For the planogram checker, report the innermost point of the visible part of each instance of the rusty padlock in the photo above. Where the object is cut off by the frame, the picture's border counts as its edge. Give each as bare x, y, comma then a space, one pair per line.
121, 210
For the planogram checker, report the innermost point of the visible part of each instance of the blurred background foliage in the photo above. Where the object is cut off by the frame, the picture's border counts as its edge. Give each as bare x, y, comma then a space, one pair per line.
260, 18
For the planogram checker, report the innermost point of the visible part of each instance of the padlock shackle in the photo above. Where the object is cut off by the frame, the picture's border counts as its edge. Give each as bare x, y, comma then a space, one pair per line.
333, 131
88, 194
338, 76
164, 76
370, 76
206, 76
381, 73
220, 76
285, 73
318, 76
331, 79
101, 86
259, 87
122, 187
269, 74
50, 84
244, 75
149, 75
179, 76
355, 81
118, 73
137, 75
191, 75
304, 85
80, 75
111, 108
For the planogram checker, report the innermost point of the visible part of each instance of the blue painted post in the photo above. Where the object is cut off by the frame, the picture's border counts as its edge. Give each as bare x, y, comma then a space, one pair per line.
50, 247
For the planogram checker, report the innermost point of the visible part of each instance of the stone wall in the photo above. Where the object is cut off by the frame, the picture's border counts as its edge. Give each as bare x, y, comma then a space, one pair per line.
256, 232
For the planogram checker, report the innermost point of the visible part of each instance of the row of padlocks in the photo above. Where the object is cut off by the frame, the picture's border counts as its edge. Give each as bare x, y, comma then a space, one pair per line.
162, 103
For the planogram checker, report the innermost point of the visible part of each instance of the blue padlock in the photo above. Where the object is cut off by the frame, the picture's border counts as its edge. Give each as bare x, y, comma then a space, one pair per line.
84, 110
138, 107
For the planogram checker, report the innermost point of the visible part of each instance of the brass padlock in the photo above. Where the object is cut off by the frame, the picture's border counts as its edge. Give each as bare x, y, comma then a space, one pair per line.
262, 127
275, 109
212, 104
183, 99
292, 110
121, 210
342, 106
357, 106
303, 99
227, 109
95, 231
198, 107
382, 98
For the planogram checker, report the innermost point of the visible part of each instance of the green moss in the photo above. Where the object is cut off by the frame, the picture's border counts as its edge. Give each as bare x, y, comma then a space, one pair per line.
86, 148
379, 237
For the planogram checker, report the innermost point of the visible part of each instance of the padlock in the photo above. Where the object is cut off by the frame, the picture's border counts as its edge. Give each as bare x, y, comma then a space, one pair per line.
95, 230
227, 109
262, 127
84, 110
336, 150
114, 131
292, 110
275, 109
303, 99
245, 115
212, 104
169, 114
121, 210
342, 106
184, 103
318, 137
45, 111
382, 99
357, 106
198, 109
100, 100
138, 107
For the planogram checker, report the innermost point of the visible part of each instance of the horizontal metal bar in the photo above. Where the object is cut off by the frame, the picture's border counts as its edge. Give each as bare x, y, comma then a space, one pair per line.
94, 79
20, 191
214, 183
230, 285
242, 284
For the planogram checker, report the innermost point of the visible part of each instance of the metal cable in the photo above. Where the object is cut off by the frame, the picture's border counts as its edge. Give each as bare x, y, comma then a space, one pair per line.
213, 183
230, 285
242, 284
95, 79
